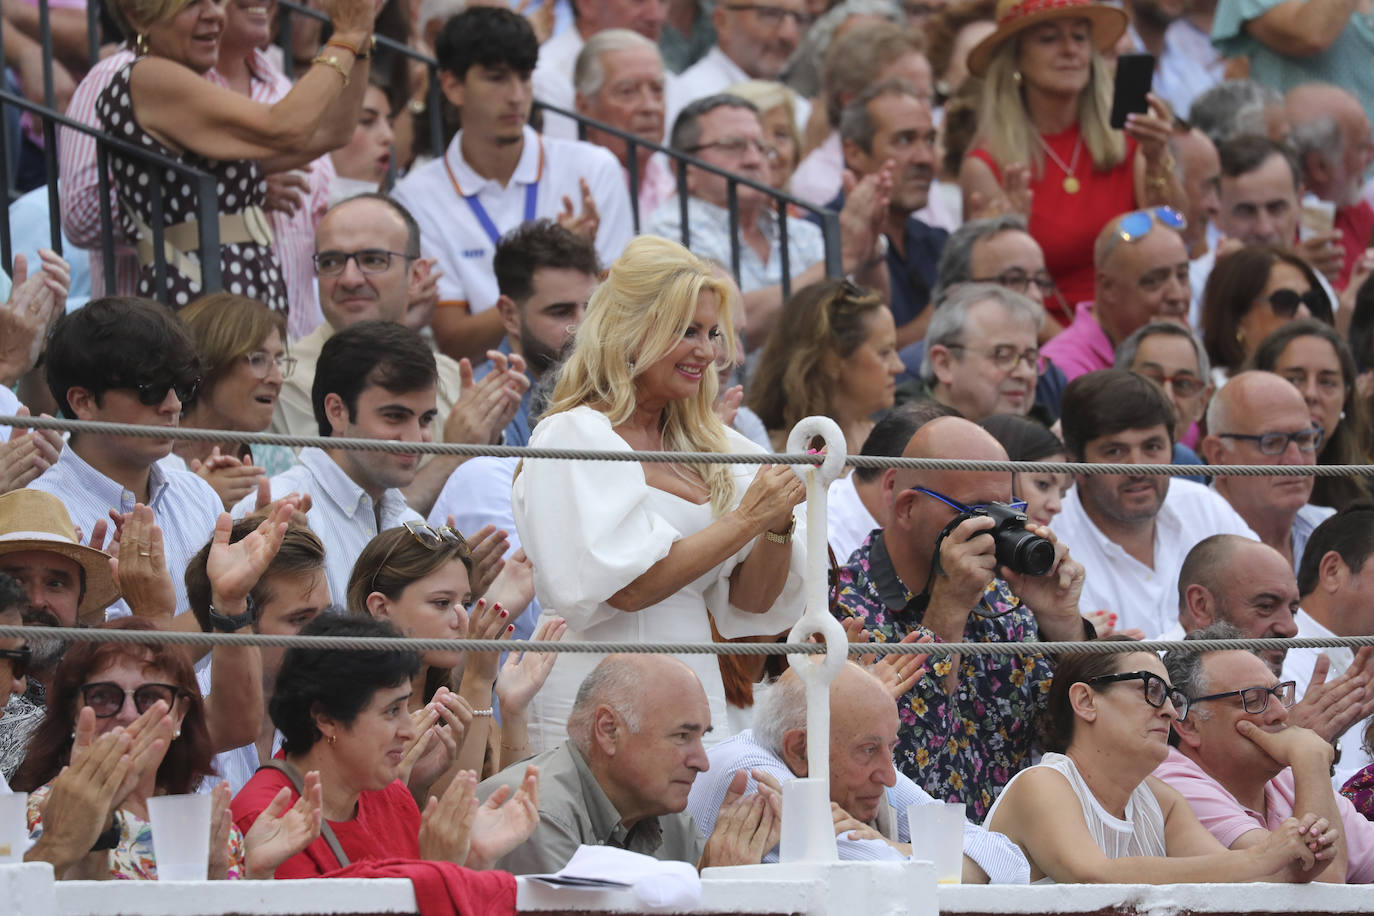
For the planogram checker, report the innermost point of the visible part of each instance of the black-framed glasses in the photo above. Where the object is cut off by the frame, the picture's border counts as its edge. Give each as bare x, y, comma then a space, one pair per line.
1255, 700
151, 394
1138, 224
106, 698
1307, 440
19, 660
1018, 280
369, 261
1018, 505
1184, 384
772, 16
1285, 302
260, 363
737, 146
1155, 688
1006, 356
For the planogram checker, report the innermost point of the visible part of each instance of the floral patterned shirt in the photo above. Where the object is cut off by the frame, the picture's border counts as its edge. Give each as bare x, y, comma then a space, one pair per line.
132, 858
967, 745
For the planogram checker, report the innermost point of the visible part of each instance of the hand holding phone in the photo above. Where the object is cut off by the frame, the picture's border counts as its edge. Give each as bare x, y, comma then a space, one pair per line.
1134, 75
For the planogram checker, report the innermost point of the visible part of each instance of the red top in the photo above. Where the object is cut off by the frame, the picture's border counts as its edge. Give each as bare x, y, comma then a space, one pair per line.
1066, 225
1356, 225
387, 826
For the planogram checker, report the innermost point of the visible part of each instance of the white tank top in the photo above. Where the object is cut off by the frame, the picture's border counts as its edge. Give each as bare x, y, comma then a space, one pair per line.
1141, 833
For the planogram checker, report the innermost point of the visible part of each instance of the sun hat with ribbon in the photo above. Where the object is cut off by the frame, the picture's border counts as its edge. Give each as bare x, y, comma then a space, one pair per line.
34, 520
1109, 22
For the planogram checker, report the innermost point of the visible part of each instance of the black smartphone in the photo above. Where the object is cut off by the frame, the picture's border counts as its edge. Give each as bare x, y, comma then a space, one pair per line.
1134, 73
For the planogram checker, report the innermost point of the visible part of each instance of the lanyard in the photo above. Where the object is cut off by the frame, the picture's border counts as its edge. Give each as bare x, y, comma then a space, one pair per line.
479, 211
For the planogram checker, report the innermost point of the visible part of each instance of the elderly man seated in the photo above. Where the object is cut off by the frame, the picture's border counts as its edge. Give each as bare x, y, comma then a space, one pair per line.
868, 797
634, 748
1244, 769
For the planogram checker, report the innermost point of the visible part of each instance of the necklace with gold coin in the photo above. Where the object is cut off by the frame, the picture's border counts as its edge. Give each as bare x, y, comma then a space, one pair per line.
1071, 184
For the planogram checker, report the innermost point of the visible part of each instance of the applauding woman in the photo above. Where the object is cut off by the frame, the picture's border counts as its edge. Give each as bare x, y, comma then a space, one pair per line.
653, 552
162, 102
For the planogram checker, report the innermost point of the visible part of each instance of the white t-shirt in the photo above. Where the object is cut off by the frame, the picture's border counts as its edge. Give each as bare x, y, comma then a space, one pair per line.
1142, 597
848, 521
449, 200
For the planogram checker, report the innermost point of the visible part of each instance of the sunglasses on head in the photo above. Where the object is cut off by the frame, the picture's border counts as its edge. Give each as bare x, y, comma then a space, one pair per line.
107, 698
1285, 302
1138, 224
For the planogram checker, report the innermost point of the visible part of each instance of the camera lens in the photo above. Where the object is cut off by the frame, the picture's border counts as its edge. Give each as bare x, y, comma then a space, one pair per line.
1024, 552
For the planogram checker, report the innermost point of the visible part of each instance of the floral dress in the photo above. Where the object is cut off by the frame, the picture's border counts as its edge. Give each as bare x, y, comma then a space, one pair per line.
132, 859
248, 269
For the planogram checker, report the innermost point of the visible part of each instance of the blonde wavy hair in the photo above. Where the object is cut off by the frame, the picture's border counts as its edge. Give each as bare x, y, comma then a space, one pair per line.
1012, 140
636, 317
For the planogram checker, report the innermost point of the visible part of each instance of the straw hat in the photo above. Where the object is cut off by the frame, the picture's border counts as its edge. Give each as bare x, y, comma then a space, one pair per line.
1109, 22
34, 520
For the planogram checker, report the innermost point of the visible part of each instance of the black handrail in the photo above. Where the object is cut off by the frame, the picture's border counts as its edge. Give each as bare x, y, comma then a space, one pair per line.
207, 203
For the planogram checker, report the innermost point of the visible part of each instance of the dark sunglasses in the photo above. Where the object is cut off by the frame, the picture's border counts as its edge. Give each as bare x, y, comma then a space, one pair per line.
1285, 302
429, 536
1155, 688
19, 660
106, 698
151, 394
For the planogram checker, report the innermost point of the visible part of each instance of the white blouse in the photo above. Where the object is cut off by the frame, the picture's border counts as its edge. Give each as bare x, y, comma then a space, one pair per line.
591, 528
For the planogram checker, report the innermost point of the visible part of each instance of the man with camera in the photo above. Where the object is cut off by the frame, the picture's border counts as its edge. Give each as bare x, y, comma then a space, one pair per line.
1132, 531
956, 563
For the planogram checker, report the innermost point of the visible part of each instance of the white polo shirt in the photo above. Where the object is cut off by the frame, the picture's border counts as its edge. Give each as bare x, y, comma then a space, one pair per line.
1142, 597
451, 202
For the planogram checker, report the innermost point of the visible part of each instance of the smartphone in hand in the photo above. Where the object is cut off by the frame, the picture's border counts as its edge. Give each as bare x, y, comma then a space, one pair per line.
1134, 73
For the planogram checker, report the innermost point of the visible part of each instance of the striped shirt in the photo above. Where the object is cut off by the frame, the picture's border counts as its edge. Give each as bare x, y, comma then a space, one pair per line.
341, 513
1000, 858
294, 234
184, 506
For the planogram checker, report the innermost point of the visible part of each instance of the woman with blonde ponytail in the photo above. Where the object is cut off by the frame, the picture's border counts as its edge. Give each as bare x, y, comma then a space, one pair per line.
645, 552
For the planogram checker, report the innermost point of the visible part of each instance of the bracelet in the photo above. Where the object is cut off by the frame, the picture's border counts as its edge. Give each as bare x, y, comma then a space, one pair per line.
332, 62
484, 713
340, 43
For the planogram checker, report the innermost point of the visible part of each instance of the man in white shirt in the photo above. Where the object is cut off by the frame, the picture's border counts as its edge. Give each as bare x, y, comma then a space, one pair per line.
498, 173
367, 258
1260, 418
1239, 581
124, 360
553, 75
1334, 603
620, 80
374, 380
724, 131
867, 794
1131, 533
753, 41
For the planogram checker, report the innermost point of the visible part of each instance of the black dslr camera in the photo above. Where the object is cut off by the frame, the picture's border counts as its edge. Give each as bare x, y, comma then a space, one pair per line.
1016, 548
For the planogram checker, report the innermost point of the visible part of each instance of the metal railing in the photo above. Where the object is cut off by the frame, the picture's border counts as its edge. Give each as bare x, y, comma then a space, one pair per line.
207, 204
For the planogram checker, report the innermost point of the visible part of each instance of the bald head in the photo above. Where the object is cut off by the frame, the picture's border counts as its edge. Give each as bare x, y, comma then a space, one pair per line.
781, 708
947, 437
630, 685
1313, 101
1241, 401
1206, 563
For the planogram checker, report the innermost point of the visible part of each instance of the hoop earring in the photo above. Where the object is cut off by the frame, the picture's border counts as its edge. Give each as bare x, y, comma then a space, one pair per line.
140, 45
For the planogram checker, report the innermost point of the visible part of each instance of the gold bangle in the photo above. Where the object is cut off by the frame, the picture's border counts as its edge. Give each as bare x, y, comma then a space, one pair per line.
332, 62
340, 43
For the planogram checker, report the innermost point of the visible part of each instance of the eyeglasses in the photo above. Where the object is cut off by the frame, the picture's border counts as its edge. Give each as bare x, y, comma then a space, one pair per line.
1307, 440
1155, 688
1255, 700
1016, 279
1184, 385
1285, 302
151, 394
1018, 505
737, 146
369, 261
260, 363
107, 698
772, 16
1005, 356
19, 660
1138, 224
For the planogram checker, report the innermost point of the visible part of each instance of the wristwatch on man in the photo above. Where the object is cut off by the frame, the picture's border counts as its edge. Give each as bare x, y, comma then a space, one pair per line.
226, 623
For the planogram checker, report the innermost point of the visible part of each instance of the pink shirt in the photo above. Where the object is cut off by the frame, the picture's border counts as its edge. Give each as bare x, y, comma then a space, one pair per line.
1228, 820
1082, 347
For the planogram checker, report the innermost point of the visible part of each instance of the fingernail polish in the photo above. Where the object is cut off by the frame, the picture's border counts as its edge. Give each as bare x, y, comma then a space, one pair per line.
510, 629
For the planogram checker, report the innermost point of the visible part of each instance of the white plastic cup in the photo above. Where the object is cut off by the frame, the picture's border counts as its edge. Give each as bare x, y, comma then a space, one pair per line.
937, 835
181, 836
14, 827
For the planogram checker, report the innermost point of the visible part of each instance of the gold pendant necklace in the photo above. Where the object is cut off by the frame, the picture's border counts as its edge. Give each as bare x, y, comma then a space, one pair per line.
1071, 184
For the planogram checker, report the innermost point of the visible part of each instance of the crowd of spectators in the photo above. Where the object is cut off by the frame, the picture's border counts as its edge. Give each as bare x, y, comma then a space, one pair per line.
917, 220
